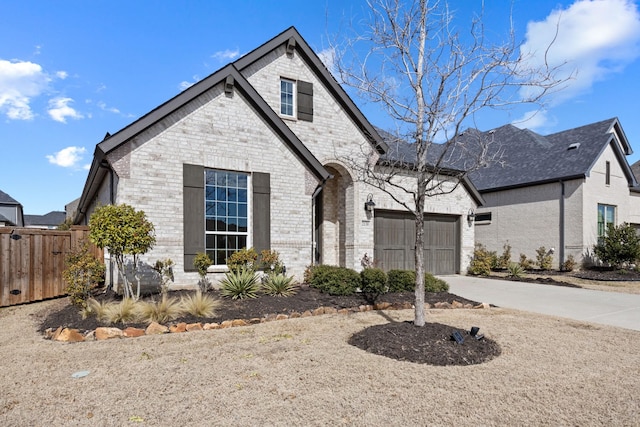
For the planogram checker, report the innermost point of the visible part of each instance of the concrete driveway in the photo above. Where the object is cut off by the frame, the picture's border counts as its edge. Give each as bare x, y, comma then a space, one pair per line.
609, 308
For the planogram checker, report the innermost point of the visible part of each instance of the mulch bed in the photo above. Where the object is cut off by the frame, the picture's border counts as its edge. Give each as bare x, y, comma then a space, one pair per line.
431, 344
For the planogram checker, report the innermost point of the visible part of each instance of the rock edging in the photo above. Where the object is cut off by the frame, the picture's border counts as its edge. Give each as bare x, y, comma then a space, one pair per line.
109, 332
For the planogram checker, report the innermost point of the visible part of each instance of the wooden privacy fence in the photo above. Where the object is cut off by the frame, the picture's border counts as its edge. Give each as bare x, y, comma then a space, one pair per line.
32, 262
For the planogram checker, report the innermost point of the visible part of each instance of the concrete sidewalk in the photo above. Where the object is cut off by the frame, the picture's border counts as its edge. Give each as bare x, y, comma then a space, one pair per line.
609, 308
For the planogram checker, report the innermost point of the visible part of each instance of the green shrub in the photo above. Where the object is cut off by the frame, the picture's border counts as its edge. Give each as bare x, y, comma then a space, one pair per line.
240, 284
335, 280
504, 260
620, 245
433, 284
373, 283
525, 262
270, 262
482, 262
401, 280
544, 259
164, 268
405, 281
279, 285
515, 270
569, 264
82, 274
201, 262
244, 259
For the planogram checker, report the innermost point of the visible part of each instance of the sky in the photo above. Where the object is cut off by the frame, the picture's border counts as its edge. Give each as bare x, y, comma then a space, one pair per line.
72, 71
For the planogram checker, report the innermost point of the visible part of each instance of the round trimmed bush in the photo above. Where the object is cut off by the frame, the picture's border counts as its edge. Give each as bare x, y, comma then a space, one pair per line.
374, 283
334, 280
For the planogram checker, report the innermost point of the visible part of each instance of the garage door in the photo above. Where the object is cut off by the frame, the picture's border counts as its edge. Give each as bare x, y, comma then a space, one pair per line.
394, 240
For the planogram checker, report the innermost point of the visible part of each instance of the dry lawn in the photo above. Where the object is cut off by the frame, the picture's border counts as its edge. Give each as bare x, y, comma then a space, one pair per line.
552, 371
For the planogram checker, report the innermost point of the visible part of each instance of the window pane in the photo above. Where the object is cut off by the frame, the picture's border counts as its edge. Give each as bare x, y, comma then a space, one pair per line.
225, 212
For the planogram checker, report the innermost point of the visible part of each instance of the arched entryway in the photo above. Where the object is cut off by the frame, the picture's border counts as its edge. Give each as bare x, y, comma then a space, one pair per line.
334, 219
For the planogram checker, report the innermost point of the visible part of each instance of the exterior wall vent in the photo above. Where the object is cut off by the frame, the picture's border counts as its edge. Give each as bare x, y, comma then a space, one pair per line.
574, 146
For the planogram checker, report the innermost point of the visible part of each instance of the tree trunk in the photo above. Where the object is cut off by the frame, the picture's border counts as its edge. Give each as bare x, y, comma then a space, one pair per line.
419, 319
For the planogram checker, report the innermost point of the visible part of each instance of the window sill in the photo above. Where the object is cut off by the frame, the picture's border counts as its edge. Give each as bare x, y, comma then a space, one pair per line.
218, 269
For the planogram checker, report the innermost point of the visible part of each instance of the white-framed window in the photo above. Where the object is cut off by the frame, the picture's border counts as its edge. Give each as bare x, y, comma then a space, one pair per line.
287, 97
226, 213
606, 216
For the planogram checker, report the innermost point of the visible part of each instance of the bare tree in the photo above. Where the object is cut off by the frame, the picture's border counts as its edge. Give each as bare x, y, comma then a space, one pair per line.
432, 80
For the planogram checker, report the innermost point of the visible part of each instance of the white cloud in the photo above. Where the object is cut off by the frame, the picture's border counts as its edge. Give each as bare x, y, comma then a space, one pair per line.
535, 120
62, 75
104, 107
596, 38
67, 157
328, 58
186, 84
226, 55
20, 81
59, 110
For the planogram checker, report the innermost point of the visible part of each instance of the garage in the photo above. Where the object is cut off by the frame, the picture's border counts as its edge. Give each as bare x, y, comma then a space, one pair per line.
394, 241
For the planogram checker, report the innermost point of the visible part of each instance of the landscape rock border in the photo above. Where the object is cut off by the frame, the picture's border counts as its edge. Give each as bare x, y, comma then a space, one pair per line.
71, 335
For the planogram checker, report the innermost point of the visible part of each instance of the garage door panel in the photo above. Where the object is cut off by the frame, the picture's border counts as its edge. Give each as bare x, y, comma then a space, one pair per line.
394, 235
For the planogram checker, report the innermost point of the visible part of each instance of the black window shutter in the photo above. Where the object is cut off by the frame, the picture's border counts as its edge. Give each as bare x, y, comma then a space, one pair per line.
193, 210
261, 211
305, 101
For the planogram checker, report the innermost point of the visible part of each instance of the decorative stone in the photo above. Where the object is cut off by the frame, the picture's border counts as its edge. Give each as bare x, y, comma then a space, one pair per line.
330, 310
483, 305
365, 308
294, 315
133, 332
318, 311
269, 317
55, 334
427, 306
442, 304
210, 326
90, 336
343, 311
104, 333
226, 324
468, 306
282, 317
180, 327
381, 306
306, 314
457, 304
255, 321
239, 322
69, 335
194, 327
155, 328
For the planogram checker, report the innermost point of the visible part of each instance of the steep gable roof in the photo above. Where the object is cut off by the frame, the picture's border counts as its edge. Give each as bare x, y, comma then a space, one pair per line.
6, 199
230, 74
292, 38
402, 154
528, 158
50, 219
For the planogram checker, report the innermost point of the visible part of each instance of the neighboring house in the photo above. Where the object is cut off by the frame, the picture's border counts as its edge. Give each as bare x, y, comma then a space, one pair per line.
10, 211
51, 220
253, 156
558, 191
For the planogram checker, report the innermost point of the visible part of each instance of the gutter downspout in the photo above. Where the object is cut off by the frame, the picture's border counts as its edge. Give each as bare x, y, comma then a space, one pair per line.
562, 225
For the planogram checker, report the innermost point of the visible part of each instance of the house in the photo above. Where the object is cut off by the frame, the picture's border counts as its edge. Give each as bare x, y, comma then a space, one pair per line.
50, 220
555, 191
253, 156
10, 211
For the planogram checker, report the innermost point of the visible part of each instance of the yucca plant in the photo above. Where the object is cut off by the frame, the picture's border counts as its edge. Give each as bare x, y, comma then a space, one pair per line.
240, 284
125, 311
515, 270
199, 304
165, 310
279, 285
